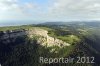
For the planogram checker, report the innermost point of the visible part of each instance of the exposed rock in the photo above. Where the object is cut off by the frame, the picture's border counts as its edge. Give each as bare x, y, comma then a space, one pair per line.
13, 34
43, 37
46, 40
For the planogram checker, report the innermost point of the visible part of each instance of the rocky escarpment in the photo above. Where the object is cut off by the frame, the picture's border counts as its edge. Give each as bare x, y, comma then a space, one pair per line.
40, 34
44, 39
11, 35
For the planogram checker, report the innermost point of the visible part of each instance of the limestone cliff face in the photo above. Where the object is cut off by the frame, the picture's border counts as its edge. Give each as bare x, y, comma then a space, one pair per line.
45, 39
13, 34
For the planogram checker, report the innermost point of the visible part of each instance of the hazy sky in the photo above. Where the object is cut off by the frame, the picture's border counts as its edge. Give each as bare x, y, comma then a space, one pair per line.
49, 10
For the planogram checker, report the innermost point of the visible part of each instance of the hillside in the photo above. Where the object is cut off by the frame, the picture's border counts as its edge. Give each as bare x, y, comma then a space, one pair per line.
24, 45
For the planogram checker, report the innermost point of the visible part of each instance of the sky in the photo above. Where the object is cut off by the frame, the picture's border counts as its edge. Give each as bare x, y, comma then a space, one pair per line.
49, 10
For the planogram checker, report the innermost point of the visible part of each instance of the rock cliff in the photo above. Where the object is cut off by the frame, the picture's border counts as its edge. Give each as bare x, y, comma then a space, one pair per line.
42, 37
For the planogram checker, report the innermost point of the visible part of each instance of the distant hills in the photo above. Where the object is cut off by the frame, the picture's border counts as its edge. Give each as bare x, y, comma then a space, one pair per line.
79, 23
16, 23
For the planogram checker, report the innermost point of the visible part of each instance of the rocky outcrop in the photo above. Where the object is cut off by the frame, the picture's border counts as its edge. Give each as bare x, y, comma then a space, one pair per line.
12, 33
45, 39
37, 31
